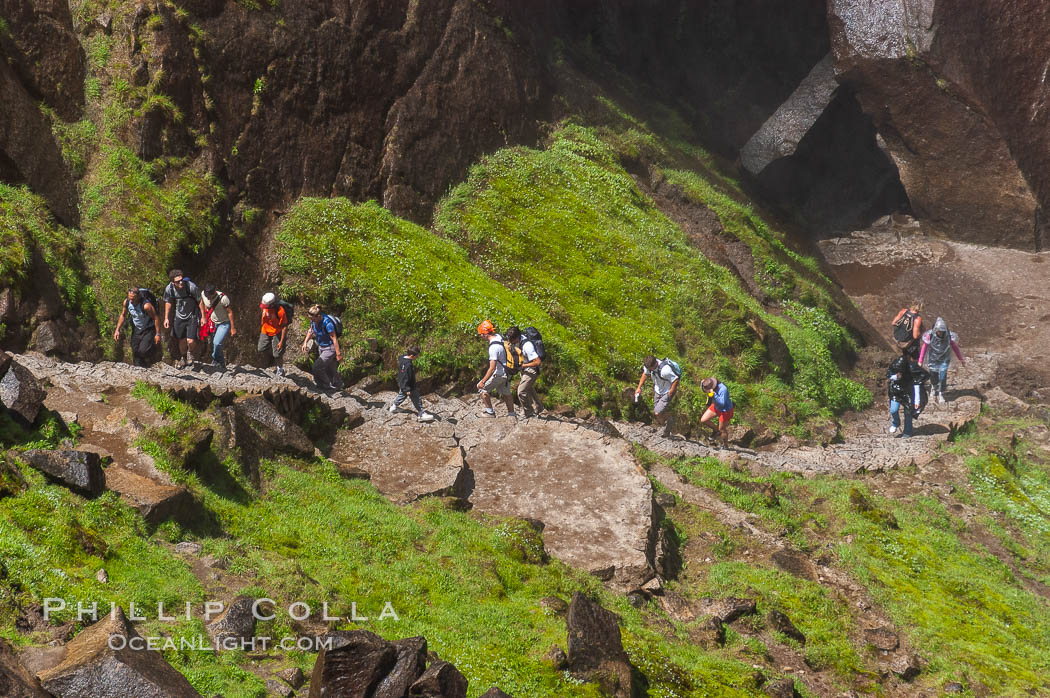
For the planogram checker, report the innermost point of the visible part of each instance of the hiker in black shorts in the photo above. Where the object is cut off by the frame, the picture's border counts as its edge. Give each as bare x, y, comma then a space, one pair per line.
184, 295
145, 335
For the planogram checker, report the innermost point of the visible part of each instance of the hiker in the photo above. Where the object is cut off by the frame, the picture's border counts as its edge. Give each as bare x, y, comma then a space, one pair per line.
406, 384
184, 295
532, 347
495, 382
140, 305
215, 306
937, 347
906, 382
666, 375
907, 328
325, 331
275, 321
720, 405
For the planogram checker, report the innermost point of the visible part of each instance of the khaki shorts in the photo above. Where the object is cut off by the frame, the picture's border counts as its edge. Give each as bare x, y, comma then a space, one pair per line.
497, 385
662, 402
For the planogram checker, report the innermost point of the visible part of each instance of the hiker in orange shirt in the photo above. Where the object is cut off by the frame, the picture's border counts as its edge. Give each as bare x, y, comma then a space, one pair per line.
275, 320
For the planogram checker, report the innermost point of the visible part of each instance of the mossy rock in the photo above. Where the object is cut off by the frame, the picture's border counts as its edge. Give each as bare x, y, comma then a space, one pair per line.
866, 508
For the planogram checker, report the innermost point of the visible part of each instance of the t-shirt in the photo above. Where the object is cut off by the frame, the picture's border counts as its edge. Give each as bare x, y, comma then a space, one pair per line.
323, 332
498, 353
529, 350
721, 399
184, 299
139, 317
663, 379
219, 314
273, 320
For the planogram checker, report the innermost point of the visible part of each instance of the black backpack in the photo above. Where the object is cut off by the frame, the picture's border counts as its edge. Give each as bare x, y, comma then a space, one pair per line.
146, 296
337, 322
289, 310
902, 329
531, 334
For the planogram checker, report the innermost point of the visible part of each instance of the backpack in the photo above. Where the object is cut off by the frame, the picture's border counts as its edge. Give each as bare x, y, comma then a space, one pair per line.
146, 296
337, 323
674, 367
289, 310
514, 356
902, 329
531, 334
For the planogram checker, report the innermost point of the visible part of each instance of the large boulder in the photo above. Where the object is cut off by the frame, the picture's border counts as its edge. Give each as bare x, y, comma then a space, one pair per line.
80, 471
354, 664
15, 681
593, 498
595, 649
956, 91
103, 662
21, 392
259, 421
410, 664
235, 625
156, 501
440, 680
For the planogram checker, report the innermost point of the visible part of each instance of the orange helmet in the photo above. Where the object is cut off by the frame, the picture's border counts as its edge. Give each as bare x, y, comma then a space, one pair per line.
486, 328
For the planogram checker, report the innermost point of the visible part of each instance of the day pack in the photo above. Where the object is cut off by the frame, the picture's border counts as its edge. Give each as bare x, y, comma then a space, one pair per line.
531, 334
902, 329
337, 322
289, 310
514, 356
674, 367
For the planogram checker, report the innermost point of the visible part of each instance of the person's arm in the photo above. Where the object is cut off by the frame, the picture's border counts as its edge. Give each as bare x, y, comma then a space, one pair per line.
922, 351
641, 382
899, 315
674, 387
120, 321
916, 327
955, 347
233, 327
335, 343
167, 314
488, 374
148, 307
308, 337
284, 328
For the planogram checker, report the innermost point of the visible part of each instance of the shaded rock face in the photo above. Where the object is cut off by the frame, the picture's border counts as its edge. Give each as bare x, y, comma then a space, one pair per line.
440, 680
44, 61
81, 471
91, 668
955, 107
236, 624
360, 663
399, 97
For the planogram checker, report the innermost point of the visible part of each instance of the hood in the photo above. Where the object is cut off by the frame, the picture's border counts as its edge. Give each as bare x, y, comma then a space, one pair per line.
940, 326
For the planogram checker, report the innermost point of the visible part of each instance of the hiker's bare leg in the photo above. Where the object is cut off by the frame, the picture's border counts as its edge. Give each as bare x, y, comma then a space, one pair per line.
509, 399
486, 400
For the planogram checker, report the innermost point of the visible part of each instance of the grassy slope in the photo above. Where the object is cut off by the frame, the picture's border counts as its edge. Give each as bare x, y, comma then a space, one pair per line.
563, 239
967, 612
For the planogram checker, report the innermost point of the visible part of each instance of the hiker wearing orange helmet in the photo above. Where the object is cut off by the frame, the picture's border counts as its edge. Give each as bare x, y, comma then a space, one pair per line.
495, 381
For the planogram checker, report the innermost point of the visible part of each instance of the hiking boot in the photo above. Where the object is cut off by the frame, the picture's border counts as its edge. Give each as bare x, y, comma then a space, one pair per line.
512, 415
940, 399
489, 413
393, 409
426, 417
278, 370
892, 430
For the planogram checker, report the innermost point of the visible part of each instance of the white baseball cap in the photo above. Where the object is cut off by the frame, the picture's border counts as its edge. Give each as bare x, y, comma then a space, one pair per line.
268, 298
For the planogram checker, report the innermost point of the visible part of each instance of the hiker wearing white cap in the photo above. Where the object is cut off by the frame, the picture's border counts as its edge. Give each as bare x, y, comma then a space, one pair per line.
275, 318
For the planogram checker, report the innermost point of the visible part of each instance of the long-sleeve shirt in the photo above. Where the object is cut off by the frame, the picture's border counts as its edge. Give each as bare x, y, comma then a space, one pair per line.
721, 399
406, 375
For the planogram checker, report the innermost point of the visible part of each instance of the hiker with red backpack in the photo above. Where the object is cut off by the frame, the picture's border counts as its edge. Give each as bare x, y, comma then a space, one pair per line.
325, 331
907, 329
276, 315
495, 381
141, 307
184, 296
665, 374
215, 308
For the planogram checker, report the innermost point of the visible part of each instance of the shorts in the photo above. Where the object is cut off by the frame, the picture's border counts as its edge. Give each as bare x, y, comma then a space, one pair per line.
497, 385
269, 342
186, 328
723, 417
662, 402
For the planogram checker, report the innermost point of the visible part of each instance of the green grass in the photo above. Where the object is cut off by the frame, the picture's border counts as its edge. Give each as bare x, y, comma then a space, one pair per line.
561, 239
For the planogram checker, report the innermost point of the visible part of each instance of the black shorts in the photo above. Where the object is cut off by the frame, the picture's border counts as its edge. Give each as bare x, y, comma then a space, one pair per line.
188, 328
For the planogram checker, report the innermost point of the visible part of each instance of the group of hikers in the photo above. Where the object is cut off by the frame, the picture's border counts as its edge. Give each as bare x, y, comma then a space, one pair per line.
924, 355
194, 317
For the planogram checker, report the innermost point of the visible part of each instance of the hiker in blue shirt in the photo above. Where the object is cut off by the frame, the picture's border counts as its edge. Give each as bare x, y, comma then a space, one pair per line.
323, 330
720, 405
